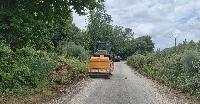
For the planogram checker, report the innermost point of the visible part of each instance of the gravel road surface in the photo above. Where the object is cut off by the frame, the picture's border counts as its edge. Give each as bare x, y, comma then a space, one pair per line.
124, 87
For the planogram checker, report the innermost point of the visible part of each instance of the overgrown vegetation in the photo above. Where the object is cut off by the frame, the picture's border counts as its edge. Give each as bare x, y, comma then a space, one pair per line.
25, 71
71, 49
178, 69
31, 49
41, 49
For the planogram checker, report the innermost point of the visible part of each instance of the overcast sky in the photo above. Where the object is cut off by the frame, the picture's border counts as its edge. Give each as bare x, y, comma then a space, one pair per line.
163, 20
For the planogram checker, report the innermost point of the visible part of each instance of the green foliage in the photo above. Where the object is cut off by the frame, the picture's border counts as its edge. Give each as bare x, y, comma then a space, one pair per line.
67, 73
65, 31
189, 58
71, 49
122, 39
29, 30
28, 69
179, 70
143, 45
34, 21
79, 68
136, 61
198, 45
98, 26
25, 68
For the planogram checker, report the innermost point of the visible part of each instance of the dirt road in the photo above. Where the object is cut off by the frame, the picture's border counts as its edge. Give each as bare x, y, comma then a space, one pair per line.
124, 87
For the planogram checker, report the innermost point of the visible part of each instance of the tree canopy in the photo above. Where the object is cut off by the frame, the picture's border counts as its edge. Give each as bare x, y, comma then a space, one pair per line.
27, 23
43, 24
100, 29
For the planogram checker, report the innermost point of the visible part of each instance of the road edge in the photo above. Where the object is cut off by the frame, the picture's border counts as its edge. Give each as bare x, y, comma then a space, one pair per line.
164, 94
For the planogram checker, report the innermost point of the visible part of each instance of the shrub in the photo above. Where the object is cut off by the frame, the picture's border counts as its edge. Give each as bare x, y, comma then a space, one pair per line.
180, 71
71, 49
28, 69
136, 61
22, 70
189, 58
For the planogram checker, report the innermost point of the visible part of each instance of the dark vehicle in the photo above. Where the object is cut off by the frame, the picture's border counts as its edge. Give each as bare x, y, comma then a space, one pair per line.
117, 59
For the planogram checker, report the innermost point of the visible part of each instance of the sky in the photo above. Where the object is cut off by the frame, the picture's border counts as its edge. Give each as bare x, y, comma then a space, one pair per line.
163, 20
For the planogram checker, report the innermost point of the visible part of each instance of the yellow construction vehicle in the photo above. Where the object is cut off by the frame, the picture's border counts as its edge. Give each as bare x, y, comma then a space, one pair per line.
101, 64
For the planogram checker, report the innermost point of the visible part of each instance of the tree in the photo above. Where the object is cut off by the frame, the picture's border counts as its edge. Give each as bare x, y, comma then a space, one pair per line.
142, 45
65, 32
120, 41
191, 45
27, 23
99, 28
129, 34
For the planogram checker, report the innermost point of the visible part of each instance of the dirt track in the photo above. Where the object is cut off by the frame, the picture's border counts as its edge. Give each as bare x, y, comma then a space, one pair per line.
125, 87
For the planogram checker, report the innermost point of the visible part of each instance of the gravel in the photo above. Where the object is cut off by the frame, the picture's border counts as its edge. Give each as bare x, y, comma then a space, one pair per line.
126, 86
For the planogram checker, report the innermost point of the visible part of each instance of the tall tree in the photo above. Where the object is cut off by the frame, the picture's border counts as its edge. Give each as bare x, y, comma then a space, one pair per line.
99, 27
26, 23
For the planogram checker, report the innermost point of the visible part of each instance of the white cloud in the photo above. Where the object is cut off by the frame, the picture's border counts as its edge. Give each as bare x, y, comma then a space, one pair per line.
159, 19
146, 29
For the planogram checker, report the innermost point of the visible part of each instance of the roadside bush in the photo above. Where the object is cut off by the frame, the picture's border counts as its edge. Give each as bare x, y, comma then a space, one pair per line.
27, 71
64, 74
8, 68
79, 69
179, 71
189, 58
71, 49
136, 61
22, 70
